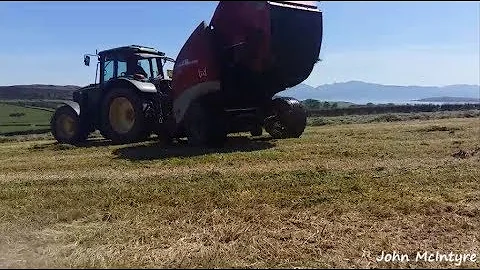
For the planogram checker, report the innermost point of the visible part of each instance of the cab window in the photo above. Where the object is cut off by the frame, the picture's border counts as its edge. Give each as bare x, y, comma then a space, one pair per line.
108, 69
122, 68
156, 70
145, 64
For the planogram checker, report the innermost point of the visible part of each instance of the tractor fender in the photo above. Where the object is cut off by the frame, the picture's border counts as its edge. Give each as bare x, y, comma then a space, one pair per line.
85, 122
84, 118
146, 87
74, 105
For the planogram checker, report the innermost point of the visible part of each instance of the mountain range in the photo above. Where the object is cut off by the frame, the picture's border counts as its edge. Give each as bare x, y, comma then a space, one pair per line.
353, 91
362, 92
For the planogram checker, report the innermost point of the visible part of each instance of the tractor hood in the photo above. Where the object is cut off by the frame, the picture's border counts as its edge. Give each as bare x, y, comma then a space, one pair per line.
143, 86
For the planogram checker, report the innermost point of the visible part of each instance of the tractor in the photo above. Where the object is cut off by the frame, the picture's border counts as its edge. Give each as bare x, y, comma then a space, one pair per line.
224, 80
129, 103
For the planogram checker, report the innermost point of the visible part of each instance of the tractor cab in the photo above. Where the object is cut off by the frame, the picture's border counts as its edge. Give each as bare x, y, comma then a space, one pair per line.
134, 62
129, 100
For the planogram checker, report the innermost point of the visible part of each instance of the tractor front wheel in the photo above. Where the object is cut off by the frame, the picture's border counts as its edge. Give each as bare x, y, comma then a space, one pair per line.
66, 126
123, 120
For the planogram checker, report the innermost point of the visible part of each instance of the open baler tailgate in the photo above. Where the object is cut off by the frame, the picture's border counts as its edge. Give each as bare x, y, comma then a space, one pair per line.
307, 5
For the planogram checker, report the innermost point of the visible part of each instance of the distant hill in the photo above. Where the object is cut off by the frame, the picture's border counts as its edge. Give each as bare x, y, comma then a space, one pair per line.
353, 91
450, 99
362, 92
37, 91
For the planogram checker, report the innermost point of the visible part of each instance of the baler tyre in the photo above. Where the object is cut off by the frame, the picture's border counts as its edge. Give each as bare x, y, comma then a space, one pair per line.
122, 116
66, 126
274, 127
296, 119
256, 131
205, 126
289, 119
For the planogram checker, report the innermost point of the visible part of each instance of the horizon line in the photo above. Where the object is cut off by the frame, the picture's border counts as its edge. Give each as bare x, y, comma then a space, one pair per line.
307, 84
384, 84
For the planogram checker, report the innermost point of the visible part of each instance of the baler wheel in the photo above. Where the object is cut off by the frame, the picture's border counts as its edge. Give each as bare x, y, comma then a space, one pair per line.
205, 125
288, 120
257, 130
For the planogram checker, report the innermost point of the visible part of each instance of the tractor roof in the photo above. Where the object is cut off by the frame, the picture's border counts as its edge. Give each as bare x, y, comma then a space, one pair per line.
132, 49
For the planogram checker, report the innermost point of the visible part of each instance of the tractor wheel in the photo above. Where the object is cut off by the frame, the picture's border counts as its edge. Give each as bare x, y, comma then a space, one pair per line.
66, 127
205, 125
122, 117
288, 120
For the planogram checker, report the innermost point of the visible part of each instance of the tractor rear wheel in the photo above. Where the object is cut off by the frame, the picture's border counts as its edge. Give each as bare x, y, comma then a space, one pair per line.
288, 119
66, 126
123, 120
205, 125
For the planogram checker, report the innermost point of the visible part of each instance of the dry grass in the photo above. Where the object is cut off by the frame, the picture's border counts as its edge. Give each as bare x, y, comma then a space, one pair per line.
391, 117
337, 197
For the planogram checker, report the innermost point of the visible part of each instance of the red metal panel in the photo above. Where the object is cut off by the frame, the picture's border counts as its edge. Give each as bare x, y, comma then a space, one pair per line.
195, 63
245, 25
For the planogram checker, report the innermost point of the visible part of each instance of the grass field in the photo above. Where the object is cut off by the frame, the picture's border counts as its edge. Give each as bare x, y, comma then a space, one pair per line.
390, 117
336, 197
17, 118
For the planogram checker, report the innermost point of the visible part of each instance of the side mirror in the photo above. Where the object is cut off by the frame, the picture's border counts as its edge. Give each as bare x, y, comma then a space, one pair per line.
86, 60
170, 73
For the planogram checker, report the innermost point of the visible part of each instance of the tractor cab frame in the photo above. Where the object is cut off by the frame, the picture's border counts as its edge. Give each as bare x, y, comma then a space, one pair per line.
127, 60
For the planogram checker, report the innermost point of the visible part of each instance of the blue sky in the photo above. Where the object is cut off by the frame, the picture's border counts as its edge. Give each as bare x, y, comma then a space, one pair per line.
404, 43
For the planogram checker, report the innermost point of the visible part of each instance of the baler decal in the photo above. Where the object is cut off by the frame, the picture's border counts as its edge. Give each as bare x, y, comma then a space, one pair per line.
202, 72
187, 62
